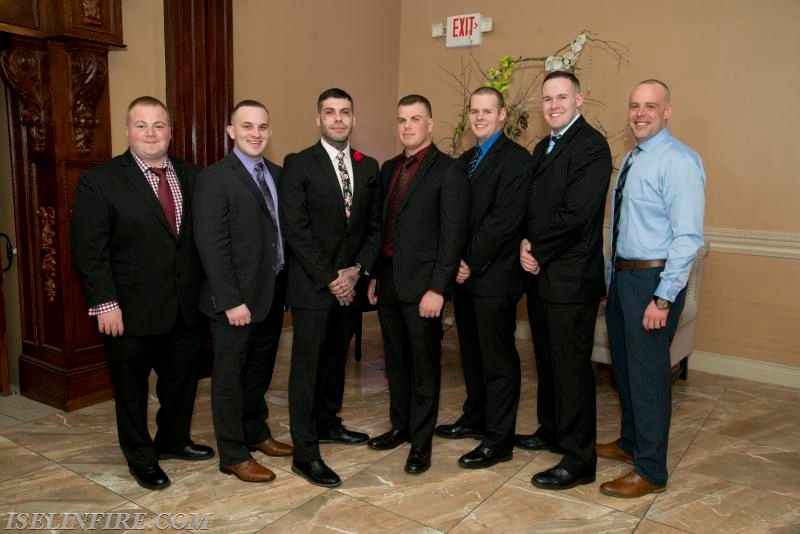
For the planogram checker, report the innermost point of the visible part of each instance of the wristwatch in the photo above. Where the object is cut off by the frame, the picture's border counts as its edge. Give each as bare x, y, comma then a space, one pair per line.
661, 303
361, 269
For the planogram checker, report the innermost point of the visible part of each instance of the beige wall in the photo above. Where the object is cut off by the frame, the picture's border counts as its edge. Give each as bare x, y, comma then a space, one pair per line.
285, 56
732, 67
731, 64
138, 69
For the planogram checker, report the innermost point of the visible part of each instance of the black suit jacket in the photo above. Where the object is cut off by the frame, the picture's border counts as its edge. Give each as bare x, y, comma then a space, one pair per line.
236, 239
565, 214
429, 231
125, 250
319, 239
497, 193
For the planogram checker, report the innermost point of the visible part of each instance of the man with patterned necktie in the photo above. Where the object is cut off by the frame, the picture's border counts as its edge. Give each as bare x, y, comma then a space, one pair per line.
239, 238
331, 216
657, 227
131, 236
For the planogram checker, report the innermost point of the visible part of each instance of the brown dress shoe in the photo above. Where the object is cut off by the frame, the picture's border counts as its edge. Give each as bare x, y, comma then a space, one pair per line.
272, 447
249, 471
630, 486
613, 451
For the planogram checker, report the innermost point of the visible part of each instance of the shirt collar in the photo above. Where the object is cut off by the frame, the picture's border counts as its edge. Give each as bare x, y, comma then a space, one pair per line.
333, 151
486, 145
146, 168
661, 137
248, 161
563, 130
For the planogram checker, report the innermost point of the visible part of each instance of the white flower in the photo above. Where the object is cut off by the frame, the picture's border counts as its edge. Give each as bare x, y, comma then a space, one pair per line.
577, 47
569, 58
581, 40
553, 63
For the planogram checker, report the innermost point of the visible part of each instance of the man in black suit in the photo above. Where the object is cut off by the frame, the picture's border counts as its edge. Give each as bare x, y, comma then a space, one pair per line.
563, 252
331, 215
238, 237
131, 237
424, 219
490, 282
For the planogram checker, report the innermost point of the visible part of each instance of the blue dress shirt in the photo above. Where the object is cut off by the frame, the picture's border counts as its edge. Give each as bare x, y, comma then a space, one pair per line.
486, 145
661, 216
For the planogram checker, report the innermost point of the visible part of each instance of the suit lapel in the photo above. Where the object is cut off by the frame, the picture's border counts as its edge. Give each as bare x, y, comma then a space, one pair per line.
240, 173
424, 167
138, 182
330, 177
560, 146
488, 159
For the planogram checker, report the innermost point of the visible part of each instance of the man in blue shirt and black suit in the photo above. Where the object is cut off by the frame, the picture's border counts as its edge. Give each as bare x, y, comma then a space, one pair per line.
657, 227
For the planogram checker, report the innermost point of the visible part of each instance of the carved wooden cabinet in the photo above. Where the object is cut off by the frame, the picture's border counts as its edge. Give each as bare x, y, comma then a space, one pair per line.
54, 64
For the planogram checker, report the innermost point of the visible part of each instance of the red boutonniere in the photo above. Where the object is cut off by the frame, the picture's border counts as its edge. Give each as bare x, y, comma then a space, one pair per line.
358, 156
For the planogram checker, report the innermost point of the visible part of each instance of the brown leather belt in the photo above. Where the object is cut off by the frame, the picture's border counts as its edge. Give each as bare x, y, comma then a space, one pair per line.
638, 264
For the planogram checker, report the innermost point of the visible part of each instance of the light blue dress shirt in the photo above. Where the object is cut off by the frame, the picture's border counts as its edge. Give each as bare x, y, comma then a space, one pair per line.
661, 216
250, 164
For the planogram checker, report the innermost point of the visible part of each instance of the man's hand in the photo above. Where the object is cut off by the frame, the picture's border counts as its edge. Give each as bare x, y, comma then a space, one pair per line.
110, 323
463, 273
431, 304
526, 259
604, 298
238, 316
654, 318
343, 288
372, 295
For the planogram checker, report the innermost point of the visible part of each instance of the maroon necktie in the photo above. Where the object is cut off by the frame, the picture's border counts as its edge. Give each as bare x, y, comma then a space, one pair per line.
165, 198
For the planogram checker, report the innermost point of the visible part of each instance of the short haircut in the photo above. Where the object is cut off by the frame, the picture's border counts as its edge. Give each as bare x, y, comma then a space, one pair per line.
653, 81
562, 74
409, 100
248, 103
334, 92
147, 101
501, 101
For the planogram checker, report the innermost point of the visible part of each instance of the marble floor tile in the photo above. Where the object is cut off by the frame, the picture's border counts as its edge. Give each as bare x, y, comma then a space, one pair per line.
16, 460
520, 507
440, 497
699, 503
24, 409
734, 462
334, 512
743, 462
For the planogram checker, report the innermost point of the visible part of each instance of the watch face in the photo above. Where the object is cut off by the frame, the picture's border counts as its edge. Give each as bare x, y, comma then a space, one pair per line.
662, 304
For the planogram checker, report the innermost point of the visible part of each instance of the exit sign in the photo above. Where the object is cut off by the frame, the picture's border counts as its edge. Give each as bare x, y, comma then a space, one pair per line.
463, 30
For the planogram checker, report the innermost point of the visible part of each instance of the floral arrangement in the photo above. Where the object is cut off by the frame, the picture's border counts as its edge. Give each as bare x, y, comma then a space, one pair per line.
501, 78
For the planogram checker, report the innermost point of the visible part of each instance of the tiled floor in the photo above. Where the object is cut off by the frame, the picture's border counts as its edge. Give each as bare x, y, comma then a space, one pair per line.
734, 461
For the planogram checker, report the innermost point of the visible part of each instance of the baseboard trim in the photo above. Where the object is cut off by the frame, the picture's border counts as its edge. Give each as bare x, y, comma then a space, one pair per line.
733, 366
721, 364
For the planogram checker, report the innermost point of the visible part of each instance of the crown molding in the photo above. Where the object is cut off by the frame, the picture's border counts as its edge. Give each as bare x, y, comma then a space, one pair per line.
754, 242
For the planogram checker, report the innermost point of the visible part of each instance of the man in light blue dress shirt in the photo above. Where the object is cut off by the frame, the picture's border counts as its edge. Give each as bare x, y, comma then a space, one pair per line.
657, 227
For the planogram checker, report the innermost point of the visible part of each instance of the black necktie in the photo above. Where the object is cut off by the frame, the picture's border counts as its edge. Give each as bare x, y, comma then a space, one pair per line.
261, 180
475, 158
623, 175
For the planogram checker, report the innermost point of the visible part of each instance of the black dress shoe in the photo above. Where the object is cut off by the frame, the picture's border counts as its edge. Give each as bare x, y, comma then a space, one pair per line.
388, 440
558, 478
190, 452
532, 442
419, 460
150, 476
458, 431
317, 473
339, 434
484, 457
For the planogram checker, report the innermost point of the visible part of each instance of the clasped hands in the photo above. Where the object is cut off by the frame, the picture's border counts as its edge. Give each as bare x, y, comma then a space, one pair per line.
526, 259
344, 287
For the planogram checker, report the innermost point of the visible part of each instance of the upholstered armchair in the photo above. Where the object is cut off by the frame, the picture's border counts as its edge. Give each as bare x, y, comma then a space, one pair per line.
683, 344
